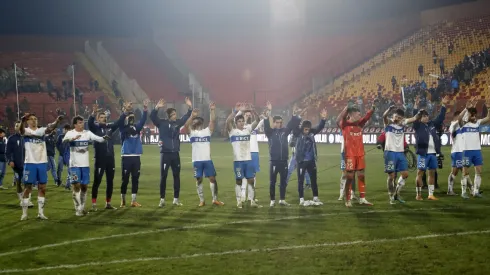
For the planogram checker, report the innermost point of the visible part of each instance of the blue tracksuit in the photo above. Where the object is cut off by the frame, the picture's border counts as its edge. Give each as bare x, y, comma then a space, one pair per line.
422, 133
63, 157
15, 153
131, 150
169, 141
51, 151
279, 153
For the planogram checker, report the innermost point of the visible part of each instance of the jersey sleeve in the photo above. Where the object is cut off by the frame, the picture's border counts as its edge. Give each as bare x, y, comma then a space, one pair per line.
68, 136
39, 132
95, 137
207, 132
452, 127
478, 122
404, 122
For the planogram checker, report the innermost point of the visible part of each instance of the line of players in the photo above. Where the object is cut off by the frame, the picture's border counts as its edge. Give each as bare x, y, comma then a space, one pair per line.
466, 151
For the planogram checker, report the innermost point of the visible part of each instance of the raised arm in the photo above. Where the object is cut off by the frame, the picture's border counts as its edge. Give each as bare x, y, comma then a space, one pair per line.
92, 127
229, 122
52, 126
184, 118
212, 116
386, 121
367, 116
143, 118
486, 119
442, 114
256, 121
319, 128
188, 123
294, 121
342, 116
414, 119
154, 113
266, 120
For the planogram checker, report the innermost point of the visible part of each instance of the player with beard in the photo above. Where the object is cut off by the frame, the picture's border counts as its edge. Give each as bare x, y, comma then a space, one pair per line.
35, 163
200, 139
104, 155
472, 147
131, 151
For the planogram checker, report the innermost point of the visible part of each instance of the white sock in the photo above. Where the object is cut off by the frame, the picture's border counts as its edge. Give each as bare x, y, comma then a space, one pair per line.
30, 196
40, 204
251, 192
25, 206
79, 200
238, 192
133, 197
400, 184
315, 198
255, 180
476, 186
20, 195
464, 184
214, 194
200, 192
450, 183
431, 190
83, 198
244, 188
76, 200
343, 180
419, 190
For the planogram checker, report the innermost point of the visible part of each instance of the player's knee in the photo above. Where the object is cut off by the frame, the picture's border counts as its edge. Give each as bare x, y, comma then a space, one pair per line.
361, 177
198, 180
212, 179
420, 173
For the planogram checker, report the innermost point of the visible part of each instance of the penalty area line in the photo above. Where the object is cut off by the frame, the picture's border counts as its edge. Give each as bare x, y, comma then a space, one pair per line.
199, 226
248, 251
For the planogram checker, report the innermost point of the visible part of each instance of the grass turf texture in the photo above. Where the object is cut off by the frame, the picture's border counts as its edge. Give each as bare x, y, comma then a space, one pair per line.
192, 240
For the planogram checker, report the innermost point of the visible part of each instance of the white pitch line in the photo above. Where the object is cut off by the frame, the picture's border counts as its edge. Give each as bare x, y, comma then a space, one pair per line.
190, 227
248, 251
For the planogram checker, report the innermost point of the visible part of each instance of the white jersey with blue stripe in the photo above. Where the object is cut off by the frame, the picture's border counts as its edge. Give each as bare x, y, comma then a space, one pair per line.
471, 135
201, 144
240, 142
254, 144
457, 137
35, 146
395, 135
79, 148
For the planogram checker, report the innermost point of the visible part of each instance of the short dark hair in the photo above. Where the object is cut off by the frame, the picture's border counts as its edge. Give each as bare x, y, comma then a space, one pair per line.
424, 112
457, 113
274, 118
305, 124
170, 111
2, 131
400, 112
472, 111
100, 113
238, 117
67, 127
76, 119
201, 120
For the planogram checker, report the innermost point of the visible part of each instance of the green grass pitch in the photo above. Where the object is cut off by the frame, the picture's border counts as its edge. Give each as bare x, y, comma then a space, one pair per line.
449, 236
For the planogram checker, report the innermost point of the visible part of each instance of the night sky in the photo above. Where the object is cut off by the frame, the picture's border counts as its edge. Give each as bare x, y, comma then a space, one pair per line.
134, 17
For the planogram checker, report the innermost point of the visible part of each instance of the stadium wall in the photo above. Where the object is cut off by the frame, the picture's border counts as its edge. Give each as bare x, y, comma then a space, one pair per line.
467, 10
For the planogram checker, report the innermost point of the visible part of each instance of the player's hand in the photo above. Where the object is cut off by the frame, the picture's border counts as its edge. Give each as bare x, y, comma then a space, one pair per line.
11, 164
106, 137
324, 113
417, 100
188, 102
471, 103
160, 103
445, 100
95, 108
269, 105
194, 113
59, 118
146, 102
24, 118
77, 137
392, 107
296, 110
212, 106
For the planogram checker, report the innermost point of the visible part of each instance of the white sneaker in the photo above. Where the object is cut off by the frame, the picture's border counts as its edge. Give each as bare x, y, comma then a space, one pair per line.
176, 202
24, 217
305, 203
284, 203
239, 204
353, 196
364, 202
392, 200
41, 217
341, 198
273, 203
3, 187
317, 202
451, 193
255, 205
162, 203
348, 204
79, 213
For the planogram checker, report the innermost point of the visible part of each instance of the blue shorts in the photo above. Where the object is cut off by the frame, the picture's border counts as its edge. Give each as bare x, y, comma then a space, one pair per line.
342, 161
244, 169
79, 175
427, 162
457, 160
255, 161
205, 167
472, 157
395, 162
35, 173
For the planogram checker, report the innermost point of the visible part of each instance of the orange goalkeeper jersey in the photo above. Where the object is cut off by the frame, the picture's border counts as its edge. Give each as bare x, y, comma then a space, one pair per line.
352, 134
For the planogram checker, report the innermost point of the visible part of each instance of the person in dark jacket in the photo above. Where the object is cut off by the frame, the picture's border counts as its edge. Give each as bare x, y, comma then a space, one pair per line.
279, 152
428, 145
306, 156
169, 142
15, 158
104, 155
63, 157
3, 159
51, 150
